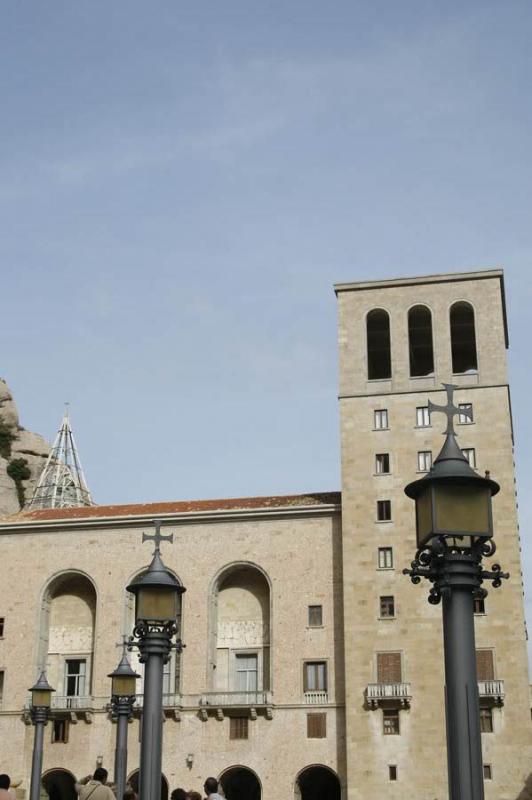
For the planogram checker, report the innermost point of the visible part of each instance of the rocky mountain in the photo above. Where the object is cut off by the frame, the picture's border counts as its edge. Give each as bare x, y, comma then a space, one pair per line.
22, 456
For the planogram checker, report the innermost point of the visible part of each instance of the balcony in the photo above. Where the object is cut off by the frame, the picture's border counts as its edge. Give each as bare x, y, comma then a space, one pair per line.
388, 694
491, 692
221, 702
74, 707
316, 698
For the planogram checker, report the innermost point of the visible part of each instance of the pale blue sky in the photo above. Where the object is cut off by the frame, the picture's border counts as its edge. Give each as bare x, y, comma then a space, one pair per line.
182, 183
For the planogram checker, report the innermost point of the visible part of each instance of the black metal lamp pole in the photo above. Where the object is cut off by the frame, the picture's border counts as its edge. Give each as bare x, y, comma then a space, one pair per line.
41, 700
156, 609
123, 696
454, 528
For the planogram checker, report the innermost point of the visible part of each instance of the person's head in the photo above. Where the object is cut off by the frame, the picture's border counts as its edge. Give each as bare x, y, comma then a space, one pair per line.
211, 785
129, 794
5, 781
179, 794
192, 795
100, 774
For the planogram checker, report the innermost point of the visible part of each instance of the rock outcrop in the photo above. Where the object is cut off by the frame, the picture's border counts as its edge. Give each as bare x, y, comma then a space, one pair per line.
22, 456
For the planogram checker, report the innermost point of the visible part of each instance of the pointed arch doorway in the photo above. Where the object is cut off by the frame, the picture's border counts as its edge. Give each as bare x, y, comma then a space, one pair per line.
240, 783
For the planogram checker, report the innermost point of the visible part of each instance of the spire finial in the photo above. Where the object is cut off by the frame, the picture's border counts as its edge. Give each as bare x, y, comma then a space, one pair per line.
450, 410
157, 537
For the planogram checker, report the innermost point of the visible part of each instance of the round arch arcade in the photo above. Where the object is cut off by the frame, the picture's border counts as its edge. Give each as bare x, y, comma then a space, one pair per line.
317, 783
240, 783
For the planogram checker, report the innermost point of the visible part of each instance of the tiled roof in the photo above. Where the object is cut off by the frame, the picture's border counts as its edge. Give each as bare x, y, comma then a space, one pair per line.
178, 507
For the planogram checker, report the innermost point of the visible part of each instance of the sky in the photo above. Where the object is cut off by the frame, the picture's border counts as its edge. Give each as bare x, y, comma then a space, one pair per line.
181, 184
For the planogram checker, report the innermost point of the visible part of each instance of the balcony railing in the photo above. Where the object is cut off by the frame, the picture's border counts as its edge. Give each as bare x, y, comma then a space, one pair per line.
227, 699
491, 691
377, 693
76, 702
316, 698
169, 701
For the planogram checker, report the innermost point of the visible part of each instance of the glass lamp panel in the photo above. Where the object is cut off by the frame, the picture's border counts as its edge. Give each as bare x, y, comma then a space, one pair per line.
156, 604
124, 685
463, 509
424, 516
41, 699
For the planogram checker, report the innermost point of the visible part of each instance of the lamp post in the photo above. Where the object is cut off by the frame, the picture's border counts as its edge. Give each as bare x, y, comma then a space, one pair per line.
41, 700
123, 695
454, 527
156, 608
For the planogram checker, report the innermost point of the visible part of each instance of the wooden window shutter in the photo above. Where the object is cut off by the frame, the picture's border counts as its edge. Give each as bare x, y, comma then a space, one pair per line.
389, 668
238, 727
485, 670
316, 726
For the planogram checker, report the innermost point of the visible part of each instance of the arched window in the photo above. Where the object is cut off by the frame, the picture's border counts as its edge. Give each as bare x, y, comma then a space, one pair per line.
420, 341
378, 336
463, 339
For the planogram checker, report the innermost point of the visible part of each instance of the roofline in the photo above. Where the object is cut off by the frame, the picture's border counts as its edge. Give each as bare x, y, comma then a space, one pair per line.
444, 277
28, 526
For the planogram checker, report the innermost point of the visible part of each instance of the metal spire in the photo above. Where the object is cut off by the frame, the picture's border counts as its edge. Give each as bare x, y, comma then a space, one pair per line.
62, 483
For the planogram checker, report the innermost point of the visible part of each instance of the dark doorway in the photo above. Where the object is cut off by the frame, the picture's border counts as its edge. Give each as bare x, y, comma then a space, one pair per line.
239, 783
133, 781
319, 783
59, 785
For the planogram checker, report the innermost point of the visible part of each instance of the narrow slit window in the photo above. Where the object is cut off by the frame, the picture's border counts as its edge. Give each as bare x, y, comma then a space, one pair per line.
479, 605
488, 775
392, 772
2, 626
463, 338
378, 340
420, 342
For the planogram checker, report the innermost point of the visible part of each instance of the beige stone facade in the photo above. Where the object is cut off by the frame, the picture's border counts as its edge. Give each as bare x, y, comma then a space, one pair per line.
283, 614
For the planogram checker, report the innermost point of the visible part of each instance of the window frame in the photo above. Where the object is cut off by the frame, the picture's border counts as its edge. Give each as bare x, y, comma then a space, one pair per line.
422, 424
482, 603
392, 770
383, 456
381, 551
245, 653
376, 413
391, 713
83, 659
315, 662
238, 725
420, 460
466, 420
2, 627
64, 738
486, 713
384, 506
471, 461
487, 772
309, 622
383, 604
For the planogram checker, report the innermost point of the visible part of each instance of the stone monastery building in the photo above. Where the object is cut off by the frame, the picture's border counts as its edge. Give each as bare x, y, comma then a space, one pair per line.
313, 668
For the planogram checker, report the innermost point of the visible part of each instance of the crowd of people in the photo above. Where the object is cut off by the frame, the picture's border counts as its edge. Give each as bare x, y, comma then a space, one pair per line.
96, 787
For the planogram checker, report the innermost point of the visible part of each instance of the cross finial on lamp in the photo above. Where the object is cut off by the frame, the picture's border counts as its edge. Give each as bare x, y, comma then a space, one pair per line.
157, 537
450, 410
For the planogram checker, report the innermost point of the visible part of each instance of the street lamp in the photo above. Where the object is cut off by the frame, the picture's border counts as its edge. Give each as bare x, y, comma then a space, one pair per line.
123, 695
41, 700
157, 595
454, 528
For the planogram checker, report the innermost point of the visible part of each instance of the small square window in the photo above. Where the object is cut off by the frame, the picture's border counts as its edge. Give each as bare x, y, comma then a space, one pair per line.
385, 557
465, 417
479, 605
316, 726
486, 720
387, 606
470, 455
2, 625
238, 727
390, 721
382, 463
60, 731
422, 417
392, 772
384, 510
315, 616
380, 419
424, 460
487, 772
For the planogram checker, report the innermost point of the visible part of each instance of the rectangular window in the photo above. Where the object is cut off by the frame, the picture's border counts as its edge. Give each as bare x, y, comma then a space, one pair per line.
1, 687
315, 676
424, 460
2, 625
387, 606
316, 726
384, 510
392, 772
75, 673
479, 605
238, 727
470, 455
315, 616
485, 666
390, 721
422, 417
246, 672
385, 558
465, 417
380, 419
487, 772
389, 668
167, 677
486, 720
382, 463
60, 731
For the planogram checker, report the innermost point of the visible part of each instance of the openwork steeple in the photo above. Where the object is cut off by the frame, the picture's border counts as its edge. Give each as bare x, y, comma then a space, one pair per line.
62, 483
